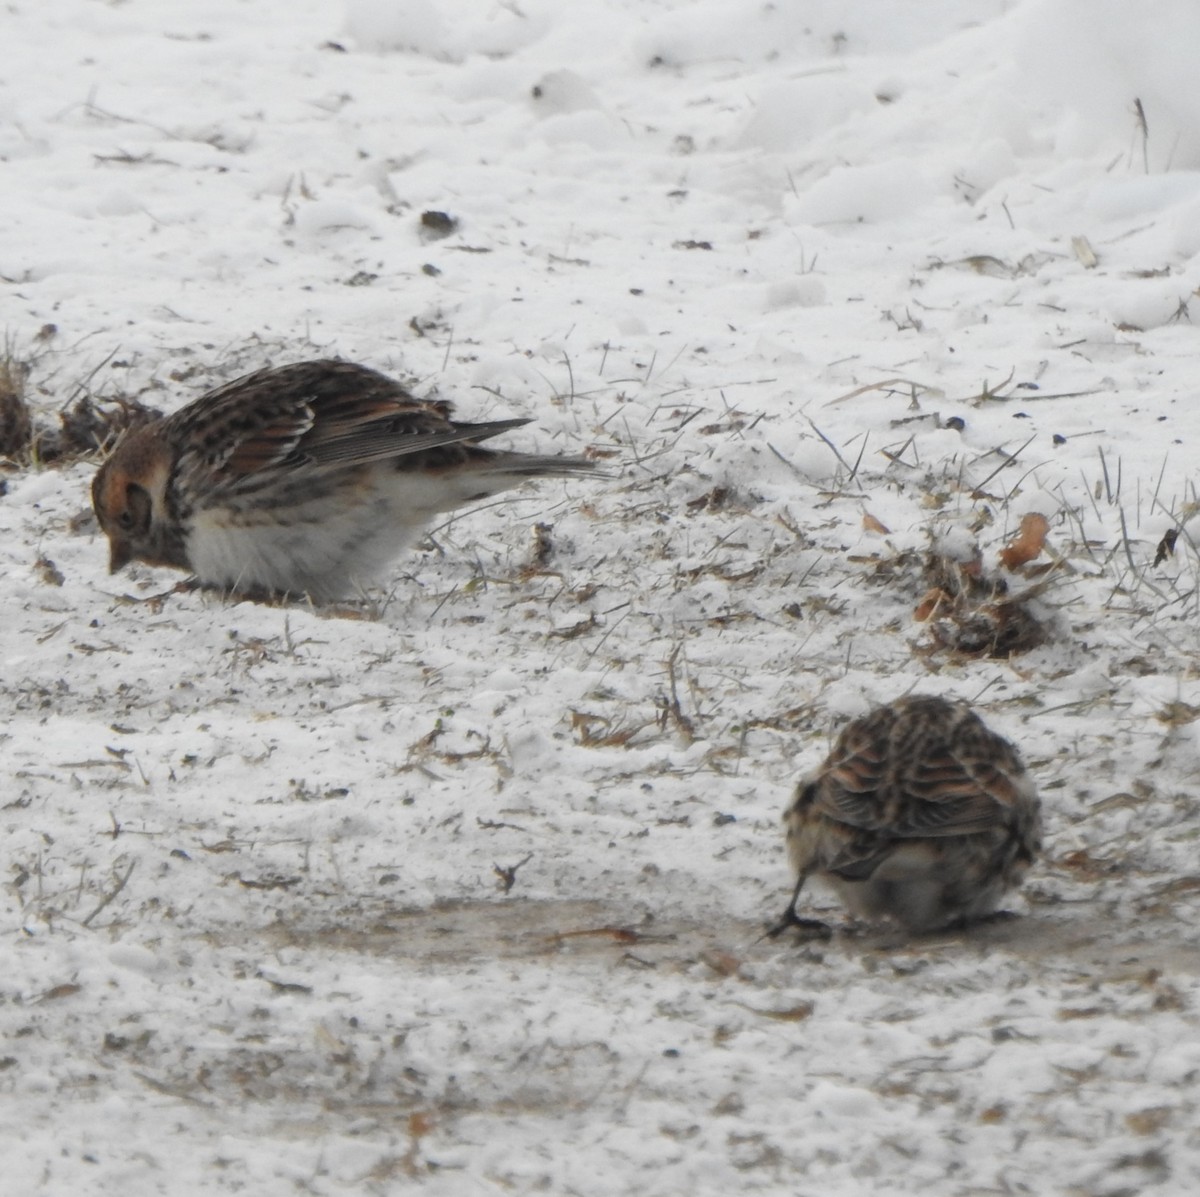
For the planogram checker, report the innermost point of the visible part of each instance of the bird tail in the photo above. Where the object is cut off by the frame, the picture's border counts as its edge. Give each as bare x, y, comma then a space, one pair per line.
535, 465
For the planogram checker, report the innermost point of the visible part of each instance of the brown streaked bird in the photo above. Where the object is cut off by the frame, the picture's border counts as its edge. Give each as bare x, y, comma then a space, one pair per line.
920, 814
304, 479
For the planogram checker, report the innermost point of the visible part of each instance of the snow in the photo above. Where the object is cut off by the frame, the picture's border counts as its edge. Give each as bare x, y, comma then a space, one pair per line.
829, 286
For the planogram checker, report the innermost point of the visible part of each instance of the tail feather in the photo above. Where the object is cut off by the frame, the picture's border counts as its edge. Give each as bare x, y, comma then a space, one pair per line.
532, 465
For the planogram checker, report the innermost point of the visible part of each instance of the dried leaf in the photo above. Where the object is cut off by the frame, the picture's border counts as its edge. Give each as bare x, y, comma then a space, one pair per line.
871, 524
724, 964
617, 934
419, 1124
792, 1014
61, 991
1029, 542
929, 605
1149, 1122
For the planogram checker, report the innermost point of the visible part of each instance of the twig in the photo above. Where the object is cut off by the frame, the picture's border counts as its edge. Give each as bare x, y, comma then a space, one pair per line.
110, 896
686, 727
508, 876
832, 446
570, 376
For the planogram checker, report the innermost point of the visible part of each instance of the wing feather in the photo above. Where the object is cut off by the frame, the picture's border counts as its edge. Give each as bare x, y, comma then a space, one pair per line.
908, 773
278, 425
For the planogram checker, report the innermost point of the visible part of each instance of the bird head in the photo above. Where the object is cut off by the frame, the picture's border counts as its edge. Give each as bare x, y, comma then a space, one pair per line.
129, 494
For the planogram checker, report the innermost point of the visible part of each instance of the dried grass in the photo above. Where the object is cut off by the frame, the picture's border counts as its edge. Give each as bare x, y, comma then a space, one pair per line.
84, 427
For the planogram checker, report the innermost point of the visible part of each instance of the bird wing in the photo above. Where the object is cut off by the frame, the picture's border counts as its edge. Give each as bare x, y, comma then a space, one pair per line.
932, 784
309, 417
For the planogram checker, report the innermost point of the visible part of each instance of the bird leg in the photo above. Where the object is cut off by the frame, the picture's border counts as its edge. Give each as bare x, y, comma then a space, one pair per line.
813, 927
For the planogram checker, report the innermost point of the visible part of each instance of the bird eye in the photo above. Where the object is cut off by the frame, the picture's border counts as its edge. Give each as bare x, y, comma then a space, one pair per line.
136, 513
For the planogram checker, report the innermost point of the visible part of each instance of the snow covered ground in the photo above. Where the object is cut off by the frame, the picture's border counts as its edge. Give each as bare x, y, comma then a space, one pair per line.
464, 894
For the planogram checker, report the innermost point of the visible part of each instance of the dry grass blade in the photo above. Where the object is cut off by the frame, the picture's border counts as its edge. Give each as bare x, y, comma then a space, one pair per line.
832, 447
684, 725
86, 427
91, 427
16, 425
916, 389
122, 881
1008, 460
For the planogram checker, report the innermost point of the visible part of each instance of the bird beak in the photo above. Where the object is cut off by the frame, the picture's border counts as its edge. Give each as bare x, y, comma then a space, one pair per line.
119, 555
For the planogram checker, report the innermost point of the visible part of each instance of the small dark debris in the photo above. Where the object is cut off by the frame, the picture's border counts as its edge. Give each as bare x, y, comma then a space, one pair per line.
430, 269
336, 47
543, 543
720, 820
577, 629
285, 986
717, 499
49, 573
997, 630
496, 825
180, 854
637, 961
122, 1042
1166, 546
266, 882
956, 423
435, 224
691, 244
508, 876
361, 278
1059, 439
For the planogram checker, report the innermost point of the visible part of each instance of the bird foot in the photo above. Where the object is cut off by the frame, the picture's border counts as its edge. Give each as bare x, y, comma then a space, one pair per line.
809, 928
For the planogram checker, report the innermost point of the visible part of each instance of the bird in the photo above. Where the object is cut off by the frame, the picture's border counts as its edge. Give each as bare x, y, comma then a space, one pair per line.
303, 479
920, 815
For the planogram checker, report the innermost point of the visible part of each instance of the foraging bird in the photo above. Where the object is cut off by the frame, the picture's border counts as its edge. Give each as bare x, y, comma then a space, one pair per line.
920, 814
303, 479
